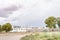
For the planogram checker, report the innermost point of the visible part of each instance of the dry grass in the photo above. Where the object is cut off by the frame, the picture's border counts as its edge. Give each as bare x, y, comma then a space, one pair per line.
18, 36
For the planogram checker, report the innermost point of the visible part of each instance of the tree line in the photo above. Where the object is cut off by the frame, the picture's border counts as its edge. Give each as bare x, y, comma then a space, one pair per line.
5, 27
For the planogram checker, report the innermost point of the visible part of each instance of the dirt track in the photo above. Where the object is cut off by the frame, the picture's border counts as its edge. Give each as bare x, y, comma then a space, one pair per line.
11, 36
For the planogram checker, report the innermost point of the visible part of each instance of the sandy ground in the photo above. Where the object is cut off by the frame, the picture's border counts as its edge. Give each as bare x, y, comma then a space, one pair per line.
12, 36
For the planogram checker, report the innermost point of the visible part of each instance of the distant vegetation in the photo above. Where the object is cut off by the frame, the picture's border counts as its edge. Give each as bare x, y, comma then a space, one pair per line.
6, 27
43, 36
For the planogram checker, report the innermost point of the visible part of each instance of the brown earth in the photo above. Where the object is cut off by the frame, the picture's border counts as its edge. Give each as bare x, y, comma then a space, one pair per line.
12, 36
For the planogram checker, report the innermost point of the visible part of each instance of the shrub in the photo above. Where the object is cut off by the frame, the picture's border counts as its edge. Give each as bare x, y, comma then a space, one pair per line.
0, 28
7, 27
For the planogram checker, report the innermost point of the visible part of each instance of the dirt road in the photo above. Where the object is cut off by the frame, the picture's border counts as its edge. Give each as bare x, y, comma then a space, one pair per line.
11, 36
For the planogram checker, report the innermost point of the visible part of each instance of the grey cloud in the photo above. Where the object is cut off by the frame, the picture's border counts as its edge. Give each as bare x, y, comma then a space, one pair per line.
4, 12
12, 8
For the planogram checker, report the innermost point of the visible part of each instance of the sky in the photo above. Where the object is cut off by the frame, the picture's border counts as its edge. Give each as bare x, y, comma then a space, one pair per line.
28, 12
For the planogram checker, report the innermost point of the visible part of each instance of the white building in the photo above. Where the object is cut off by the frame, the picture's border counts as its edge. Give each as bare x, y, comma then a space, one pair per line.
21, 29
28, 29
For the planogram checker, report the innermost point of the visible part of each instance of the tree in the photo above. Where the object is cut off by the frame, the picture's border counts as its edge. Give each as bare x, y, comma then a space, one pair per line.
0, 28
7, 27
58, 21
51, 22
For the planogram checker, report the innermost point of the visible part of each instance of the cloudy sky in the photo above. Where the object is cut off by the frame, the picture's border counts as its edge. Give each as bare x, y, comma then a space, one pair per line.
28, 12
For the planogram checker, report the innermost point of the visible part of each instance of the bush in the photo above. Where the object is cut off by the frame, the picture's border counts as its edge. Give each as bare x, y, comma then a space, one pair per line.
7, 27
0, 28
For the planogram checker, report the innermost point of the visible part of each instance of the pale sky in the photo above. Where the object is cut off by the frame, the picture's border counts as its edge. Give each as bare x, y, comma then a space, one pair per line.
28, 12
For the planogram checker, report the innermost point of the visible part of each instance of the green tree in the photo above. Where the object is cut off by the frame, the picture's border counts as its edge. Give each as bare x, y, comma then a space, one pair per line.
0, 28
7, 27
58, 21
51, 22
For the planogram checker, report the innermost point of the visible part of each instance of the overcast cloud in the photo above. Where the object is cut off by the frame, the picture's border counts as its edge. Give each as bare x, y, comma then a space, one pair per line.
28, 12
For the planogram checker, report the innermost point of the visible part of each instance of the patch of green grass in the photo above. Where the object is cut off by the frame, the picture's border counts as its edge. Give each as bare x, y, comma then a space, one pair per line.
42, 36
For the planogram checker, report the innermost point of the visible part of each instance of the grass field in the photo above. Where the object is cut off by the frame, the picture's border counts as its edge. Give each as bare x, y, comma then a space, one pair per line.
30, 36
43, 36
